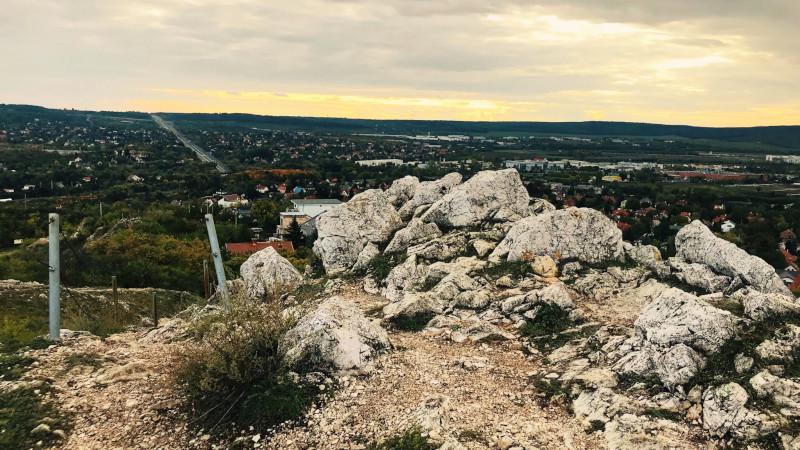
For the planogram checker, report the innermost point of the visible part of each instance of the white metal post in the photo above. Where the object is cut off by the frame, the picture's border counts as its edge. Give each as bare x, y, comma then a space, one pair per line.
54, 278
215, 252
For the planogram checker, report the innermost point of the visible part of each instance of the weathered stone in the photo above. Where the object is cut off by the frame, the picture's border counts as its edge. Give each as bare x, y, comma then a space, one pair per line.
580, 234
600, 406
647, 256
678, 365
697, 244
760, 306
487, 196
428, 192
630, 432
699, 276
404, 277
539, 206
443, 248
414, 305
344, 230
334, 336
742, 363
783, 392
781, 346
482, 247
370, 252
416, 232
544, 266
724, 413
402, 190
266, 273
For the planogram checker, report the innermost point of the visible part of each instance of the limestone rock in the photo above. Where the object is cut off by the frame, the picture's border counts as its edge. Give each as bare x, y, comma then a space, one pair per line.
416, 232
483, 247
647, 256
580, 234
699, 276
487, 196
630, 432
344, 230
781, 346
402, 190
783, 392
544, 266
370, 252
443, 248
724, 413
539, 206
334, 336
600, 406
412, 305
760, 306
696, 243
266, 273
428, 192
677, 317
404, 277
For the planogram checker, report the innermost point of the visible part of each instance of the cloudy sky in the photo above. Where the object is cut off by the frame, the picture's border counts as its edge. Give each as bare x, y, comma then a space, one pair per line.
704, 62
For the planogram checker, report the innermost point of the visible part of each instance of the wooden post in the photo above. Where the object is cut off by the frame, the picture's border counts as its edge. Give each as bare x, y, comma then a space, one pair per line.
116, 299
155, 310
54, 278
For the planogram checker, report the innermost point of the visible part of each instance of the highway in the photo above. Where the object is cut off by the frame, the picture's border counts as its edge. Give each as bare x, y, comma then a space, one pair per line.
202, 154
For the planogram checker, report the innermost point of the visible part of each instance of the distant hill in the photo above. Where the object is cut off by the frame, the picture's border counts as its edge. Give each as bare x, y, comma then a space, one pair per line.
783, 136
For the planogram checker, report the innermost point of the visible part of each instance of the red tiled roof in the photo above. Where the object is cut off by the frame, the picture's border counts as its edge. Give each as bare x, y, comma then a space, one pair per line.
246, 248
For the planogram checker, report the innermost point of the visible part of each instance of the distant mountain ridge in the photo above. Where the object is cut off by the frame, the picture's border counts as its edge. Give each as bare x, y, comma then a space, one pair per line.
784, 136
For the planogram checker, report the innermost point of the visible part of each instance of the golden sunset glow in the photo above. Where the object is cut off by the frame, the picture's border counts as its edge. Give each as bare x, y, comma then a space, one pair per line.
668, 62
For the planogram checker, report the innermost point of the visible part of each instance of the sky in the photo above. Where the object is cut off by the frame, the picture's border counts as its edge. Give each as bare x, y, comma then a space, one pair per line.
699, 62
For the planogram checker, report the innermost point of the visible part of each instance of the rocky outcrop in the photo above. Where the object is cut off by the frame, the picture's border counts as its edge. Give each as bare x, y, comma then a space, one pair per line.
333, 337
416, 232
266, 273
404, 277
725, 414
442, 248
579, 234
699, 276
414, 305
760, 306
784, 393
695, 243
647, 256
427, 193
402, 190
487, 196
344, 230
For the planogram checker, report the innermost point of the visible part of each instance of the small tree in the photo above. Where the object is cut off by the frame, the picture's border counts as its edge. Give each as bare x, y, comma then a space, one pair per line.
295, 234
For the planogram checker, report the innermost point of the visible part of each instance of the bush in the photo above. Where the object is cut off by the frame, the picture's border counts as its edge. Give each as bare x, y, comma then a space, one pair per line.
233, 369
412, 439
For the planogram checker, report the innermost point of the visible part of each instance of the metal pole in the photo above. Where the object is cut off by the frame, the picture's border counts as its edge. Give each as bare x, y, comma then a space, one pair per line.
220, 269
54, 281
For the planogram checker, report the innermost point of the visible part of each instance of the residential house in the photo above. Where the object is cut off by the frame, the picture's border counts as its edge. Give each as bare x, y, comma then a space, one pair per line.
232, 201
304, 210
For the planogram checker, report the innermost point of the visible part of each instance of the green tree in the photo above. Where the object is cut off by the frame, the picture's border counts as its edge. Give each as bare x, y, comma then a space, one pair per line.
296, 234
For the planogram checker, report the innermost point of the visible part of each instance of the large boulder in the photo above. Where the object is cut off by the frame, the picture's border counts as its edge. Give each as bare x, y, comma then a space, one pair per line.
760, 306
487, 196
428, 192
580, 234
404, 277
677, 317
344, 230
699, 276
696, 243
266, 273
333, 337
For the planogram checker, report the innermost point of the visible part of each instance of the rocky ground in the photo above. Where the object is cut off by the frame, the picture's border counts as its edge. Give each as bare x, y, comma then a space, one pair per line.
485, 319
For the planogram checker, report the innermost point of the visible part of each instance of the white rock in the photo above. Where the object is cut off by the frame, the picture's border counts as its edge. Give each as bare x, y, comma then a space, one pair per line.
404, 277
344, 230
443, 248
699, 276
487, 196
416, 232
696, 243
783, 392
335, 336
402, 190
724, 413
414, 304
428, 192
760, 306
580, 234
267, 273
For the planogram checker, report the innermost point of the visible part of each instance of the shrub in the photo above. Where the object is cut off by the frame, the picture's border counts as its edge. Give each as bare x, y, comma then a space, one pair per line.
23, 410
16, 333
549, 320
411, 439
233, 369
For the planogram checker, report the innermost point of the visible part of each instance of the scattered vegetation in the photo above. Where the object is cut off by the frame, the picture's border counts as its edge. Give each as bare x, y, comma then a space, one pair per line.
13, 366
416, 322
411, 439
233, 370
381, 265
514, 269
22, 411
82, 359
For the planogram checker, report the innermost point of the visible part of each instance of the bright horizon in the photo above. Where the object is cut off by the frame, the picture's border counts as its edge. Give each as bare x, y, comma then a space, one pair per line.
713, 63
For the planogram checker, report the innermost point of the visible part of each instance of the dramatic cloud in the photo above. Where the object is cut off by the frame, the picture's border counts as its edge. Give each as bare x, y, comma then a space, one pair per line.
712, 62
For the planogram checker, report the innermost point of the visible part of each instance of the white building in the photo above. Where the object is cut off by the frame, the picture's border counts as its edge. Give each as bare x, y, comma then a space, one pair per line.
727, 226
380, 162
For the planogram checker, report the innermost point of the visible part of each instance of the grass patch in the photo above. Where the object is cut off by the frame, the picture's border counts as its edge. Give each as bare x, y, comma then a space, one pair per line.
309, 290
82, 359
412, 323
473, 436
22, 410
547, 329
411, 439
16, 333
233, 371
658, 413
514, 269
13, 366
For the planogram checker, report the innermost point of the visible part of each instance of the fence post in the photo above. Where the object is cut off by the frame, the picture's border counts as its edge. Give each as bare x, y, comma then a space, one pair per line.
54, 277
215, 252
116, 299
155, 311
